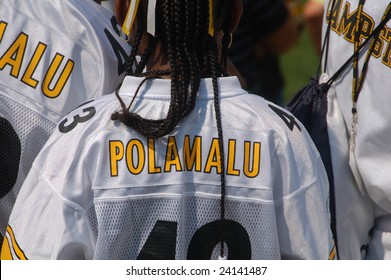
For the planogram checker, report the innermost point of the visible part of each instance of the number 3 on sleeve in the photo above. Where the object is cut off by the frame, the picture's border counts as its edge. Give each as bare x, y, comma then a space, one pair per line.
67, 125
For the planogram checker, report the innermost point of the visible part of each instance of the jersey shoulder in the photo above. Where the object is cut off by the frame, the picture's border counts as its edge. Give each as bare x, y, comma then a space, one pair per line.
71, 54
91, 114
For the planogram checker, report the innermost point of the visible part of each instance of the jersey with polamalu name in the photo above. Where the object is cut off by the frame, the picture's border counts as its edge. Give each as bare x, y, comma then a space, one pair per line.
100, 190
53, 56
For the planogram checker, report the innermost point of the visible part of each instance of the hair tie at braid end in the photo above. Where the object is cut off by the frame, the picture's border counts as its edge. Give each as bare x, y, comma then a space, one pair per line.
115, 116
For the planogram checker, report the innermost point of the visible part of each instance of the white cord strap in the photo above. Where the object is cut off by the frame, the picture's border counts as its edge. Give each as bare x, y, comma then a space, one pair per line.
151, 18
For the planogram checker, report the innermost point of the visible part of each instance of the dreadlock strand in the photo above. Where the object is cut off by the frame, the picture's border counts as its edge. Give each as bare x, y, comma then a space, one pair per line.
227, 10
215, 73
185, 39
146, 55
135, 47
193, 79
177, 20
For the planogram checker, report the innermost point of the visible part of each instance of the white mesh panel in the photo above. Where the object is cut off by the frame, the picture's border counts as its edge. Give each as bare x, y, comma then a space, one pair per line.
33, 130
123, 226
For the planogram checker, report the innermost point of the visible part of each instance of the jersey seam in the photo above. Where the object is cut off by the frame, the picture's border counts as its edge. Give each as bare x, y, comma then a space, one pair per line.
32, 100
299, 191
165, 97
70, 38
123, 186
166, 195
55, 30
73, 205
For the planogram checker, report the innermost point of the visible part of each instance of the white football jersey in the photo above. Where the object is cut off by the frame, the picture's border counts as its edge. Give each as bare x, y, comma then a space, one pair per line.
100, 190
54, 55
362, 177
109, 5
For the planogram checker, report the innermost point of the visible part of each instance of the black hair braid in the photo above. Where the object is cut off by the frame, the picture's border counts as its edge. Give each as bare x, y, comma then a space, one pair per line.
132, 63
192, 80
197, 58
195, 37
154, 74
221, 147
224, 50
226, 8
176, 36
193, 55
124, 118
186, 64
175, 51
146, 55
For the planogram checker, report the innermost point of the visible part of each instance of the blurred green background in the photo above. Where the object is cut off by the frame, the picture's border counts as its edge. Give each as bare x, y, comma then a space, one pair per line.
298, 65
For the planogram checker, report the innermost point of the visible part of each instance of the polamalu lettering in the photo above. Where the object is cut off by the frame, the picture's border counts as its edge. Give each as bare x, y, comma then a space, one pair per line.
187, 155
16, 54
343, 23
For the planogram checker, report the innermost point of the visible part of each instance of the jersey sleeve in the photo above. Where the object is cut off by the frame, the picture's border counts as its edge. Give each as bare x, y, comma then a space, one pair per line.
301, 192
51, 218
27, 233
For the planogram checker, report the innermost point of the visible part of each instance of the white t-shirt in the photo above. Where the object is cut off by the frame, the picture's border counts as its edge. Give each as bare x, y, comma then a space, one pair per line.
367, 194
53, 56
100, 190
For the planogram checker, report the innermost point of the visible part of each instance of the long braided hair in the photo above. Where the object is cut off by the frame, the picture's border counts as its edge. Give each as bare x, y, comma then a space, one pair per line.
193, 54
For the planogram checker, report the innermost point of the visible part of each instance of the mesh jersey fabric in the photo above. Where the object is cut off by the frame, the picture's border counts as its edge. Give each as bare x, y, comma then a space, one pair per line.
109, 193
53, 56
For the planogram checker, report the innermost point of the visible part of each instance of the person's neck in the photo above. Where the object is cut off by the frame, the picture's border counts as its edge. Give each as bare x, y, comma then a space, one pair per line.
158, 62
